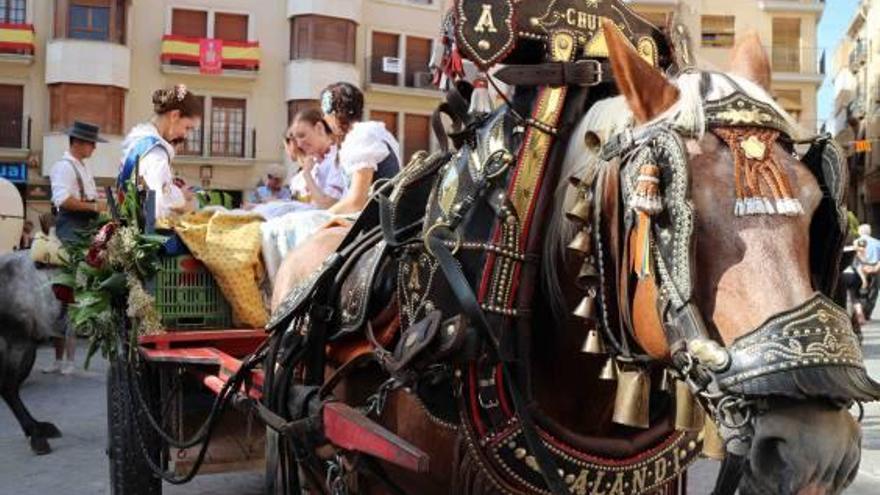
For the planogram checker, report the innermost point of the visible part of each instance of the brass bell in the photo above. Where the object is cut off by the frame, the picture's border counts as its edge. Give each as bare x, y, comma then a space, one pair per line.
593, 343
666, 381
581, 212
586, 309
713, 445
588, 275
689, 414
631, 401
609, 371
581, 244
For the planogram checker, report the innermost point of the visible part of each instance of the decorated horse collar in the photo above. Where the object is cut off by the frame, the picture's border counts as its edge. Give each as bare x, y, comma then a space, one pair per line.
740, 110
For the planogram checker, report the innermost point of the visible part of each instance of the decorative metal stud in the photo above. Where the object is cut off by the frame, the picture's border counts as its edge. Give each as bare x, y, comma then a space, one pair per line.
609, 371
581, 244
593, 343
631, 401
689, 415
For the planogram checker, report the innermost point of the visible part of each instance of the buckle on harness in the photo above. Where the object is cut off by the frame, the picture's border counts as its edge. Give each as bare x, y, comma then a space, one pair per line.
597, 72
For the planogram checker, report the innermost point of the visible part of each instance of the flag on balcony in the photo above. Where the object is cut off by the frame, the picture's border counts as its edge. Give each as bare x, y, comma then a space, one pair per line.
233, 54
862, 146
17, 38
210, 56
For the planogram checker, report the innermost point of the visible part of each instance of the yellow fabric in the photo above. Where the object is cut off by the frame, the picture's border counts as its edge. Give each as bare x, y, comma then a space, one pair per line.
229, 245
16, 35
241, 52
180, 48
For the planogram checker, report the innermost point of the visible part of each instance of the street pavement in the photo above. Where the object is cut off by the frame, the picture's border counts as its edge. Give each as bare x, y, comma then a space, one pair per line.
78, 464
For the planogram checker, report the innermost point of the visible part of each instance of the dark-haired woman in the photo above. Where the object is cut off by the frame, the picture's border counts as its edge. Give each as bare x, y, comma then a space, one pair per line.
149, 148
367, 153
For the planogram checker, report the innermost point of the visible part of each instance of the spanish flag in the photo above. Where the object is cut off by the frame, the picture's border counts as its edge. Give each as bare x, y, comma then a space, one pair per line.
235, 54
17, 38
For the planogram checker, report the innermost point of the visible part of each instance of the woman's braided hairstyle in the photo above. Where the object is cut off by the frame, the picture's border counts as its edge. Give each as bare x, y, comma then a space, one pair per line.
177, 98
345, 101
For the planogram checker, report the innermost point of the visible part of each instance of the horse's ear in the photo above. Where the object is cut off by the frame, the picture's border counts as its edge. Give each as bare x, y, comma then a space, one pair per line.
646, 89
749, 60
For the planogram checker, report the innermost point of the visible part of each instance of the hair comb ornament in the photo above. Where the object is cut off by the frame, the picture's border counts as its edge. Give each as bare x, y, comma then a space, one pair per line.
180, 92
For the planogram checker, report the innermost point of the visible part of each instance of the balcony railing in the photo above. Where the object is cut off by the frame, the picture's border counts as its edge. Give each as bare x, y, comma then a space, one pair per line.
15, 133
405, 73
231, 145
187, 52
859, 55
17, 39
805, 60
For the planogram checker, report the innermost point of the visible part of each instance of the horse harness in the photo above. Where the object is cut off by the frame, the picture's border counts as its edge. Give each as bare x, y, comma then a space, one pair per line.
807, 352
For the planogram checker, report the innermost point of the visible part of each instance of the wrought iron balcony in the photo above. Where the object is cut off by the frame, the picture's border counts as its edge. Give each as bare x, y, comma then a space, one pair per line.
404, 73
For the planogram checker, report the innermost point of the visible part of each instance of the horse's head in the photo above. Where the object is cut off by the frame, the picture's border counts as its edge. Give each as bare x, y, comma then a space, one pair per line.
714, 261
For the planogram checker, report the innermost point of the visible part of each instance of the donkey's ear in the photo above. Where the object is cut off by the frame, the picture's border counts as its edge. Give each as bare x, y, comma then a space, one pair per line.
646, 89
749, 60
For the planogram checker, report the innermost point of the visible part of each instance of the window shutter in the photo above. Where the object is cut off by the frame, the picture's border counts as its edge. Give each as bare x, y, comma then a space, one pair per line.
231, 27
11, 118
384, 45
417, 136
192, 23
418, 55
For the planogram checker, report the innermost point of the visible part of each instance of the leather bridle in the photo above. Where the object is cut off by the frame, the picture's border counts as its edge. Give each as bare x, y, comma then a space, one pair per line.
808, 352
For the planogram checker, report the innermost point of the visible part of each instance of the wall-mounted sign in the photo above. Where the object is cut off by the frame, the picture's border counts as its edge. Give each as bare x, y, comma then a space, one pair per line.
14, 171
391, 65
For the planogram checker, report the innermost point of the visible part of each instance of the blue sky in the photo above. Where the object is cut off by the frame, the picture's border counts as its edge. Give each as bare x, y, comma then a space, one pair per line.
834, 22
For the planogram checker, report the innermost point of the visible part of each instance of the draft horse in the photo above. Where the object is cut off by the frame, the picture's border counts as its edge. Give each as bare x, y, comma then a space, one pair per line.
693, 244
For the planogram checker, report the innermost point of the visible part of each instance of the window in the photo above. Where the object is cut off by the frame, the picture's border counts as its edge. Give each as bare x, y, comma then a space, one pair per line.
322, 38
11, 118
790, 101
417, 135
103, 106
296, 106
227, 127
387, 118
191, 23
231, 27
786, 52
195, 139
718, 30
89, 22
385, 45
418, 56
13, 11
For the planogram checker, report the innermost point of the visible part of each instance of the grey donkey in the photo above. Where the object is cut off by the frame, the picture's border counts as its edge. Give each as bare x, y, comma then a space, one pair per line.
29, 314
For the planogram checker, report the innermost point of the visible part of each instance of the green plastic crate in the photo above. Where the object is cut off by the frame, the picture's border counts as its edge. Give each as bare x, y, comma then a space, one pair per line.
187, 296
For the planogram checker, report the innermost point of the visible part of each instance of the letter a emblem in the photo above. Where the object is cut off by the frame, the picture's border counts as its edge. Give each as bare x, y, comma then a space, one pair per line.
486, 22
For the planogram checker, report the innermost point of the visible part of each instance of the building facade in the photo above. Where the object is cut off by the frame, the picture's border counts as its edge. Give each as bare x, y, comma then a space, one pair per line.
254, 64
855, 122
786, 27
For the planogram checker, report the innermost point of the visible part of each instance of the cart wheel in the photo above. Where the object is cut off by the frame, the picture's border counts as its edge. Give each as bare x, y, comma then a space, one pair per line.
129, 472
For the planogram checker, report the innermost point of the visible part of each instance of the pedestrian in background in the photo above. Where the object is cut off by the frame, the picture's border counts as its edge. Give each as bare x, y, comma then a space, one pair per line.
74, 193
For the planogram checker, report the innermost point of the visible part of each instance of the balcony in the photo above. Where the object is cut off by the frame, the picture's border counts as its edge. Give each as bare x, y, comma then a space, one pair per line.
858, 57
395, 74
15, 137
351, 10
17, 43
304, 79
792, 6
795, 64
232, 150
182, 54
74, 61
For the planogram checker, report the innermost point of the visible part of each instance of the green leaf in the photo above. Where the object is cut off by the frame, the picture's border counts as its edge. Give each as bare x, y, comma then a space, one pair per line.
115, 283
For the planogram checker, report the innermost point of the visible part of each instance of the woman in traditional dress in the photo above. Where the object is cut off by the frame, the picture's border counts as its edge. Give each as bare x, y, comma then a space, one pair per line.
367, 153
150, 148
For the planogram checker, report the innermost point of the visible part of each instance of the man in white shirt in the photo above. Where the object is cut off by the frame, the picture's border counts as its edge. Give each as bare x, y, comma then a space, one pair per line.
74, 192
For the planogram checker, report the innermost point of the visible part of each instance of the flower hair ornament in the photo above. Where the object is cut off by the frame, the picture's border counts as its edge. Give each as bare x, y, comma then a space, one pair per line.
327, 102
180, 92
